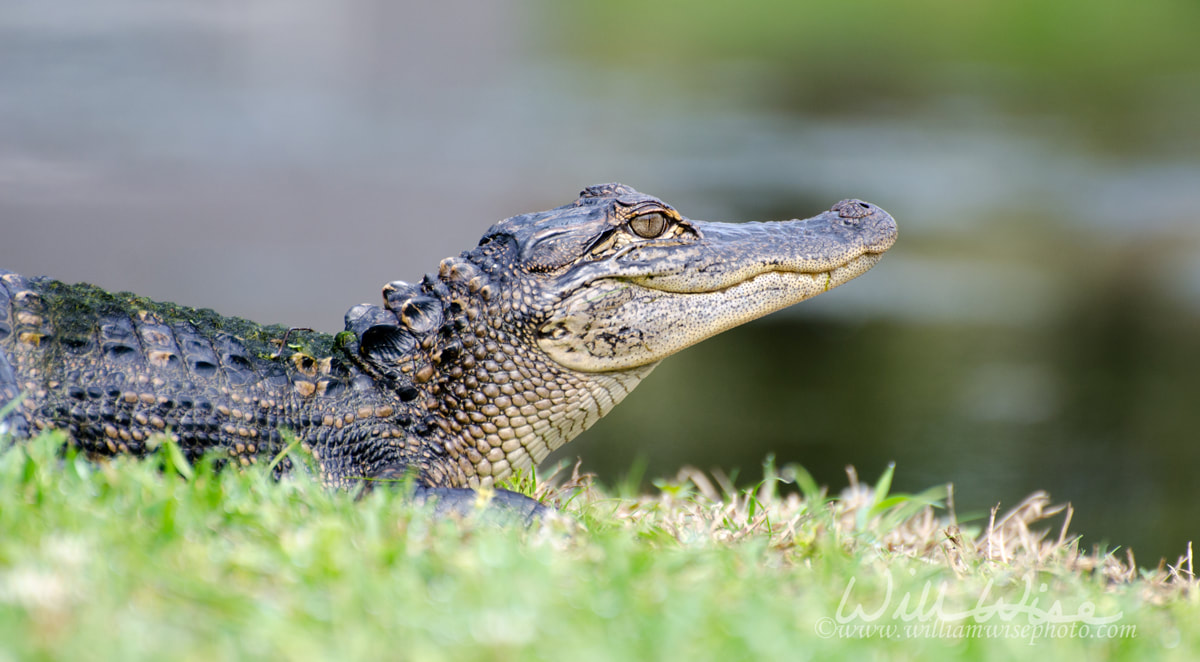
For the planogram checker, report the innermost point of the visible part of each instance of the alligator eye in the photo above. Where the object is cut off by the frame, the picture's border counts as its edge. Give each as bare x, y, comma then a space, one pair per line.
649, 226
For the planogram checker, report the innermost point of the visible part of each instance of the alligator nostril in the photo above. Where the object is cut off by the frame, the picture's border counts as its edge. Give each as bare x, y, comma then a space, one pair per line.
853, 208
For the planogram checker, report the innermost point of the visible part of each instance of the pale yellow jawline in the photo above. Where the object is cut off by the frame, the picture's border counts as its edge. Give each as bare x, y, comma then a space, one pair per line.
774, 290
854, 267
834, 277
671, 321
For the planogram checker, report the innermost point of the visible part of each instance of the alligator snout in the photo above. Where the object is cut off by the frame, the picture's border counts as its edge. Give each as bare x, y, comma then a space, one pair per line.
877, 227
852, 208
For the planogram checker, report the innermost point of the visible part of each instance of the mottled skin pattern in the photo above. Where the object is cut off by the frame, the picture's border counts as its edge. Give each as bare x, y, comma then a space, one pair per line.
509, 351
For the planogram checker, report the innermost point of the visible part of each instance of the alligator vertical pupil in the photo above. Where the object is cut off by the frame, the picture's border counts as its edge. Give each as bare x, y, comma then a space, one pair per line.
649, 226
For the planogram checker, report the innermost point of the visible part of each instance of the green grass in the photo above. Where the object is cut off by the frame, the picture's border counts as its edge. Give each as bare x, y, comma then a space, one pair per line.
125, 560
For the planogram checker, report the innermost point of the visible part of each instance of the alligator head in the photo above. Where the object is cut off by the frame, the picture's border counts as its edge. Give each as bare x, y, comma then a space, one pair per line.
518, 345
623, 280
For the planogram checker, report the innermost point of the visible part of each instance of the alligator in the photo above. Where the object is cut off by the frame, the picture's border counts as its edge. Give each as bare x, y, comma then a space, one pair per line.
509, 351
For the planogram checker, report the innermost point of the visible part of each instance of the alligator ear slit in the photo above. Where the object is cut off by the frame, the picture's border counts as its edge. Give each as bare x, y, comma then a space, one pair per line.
599, 240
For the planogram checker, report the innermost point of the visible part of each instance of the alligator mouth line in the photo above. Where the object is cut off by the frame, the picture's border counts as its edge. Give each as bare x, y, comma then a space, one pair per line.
826, 279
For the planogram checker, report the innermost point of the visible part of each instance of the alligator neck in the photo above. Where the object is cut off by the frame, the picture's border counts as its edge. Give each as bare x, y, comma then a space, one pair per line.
460, 347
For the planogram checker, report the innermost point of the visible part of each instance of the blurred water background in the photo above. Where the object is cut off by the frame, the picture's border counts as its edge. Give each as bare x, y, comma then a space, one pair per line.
1036, 327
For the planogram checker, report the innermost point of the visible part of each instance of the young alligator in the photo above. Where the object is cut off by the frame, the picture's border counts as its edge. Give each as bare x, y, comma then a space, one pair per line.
508, 352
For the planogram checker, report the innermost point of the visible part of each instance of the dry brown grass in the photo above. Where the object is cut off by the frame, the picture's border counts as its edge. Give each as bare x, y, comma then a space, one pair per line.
1032, 536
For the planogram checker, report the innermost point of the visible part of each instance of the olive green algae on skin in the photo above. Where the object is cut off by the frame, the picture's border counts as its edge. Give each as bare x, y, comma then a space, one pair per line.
76, 309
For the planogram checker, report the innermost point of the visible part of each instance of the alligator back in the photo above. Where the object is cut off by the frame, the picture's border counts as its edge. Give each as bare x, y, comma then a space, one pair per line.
113, 369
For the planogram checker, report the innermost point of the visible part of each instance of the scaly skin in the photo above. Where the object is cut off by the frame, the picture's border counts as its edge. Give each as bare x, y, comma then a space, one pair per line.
509, 351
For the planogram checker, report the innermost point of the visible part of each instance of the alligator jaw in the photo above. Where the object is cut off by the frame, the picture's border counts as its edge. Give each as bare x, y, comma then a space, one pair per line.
651, 301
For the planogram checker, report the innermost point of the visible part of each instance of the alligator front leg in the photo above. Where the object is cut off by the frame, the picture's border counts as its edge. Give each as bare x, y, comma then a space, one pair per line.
10, 421
463, 501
